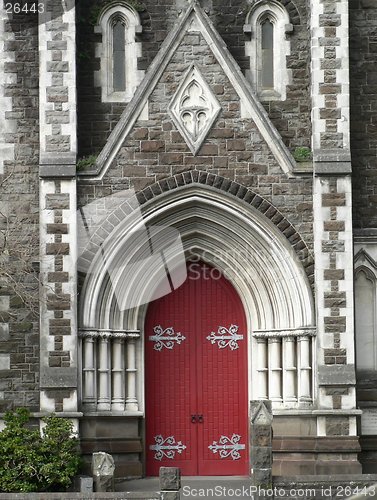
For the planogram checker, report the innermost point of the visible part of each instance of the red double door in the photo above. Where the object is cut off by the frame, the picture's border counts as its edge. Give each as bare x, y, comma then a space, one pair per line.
196, 378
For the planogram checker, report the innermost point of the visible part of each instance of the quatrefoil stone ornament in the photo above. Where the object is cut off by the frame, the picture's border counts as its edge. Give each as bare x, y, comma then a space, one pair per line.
194, 109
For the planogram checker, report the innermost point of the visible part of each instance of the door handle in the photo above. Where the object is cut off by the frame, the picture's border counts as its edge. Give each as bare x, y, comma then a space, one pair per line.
197, 418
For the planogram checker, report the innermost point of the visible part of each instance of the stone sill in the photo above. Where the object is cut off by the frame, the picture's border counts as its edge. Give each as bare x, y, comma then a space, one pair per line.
314, 413
303, 167
63, 414
113, 414
79, 414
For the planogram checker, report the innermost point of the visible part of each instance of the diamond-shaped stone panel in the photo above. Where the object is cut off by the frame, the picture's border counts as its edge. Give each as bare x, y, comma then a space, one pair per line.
194, 109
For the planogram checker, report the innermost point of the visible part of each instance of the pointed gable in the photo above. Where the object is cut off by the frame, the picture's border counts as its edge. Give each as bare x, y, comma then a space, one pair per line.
194, 22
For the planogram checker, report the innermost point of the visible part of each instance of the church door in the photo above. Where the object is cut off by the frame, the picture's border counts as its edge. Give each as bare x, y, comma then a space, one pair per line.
196, 378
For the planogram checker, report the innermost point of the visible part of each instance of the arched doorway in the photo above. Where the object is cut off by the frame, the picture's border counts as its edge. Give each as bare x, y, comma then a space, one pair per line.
196, 378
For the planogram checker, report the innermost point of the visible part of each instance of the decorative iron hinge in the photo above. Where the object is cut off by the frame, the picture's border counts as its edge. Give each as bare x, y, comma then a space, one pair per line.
226, 337
228, 447
166, 447
165, 338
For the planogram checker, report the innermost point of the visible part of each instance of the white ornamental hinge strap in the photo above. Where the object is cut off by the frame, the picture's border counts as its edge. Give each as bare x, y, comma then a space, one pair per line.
228, 447
165, 338
226, 337
166, 447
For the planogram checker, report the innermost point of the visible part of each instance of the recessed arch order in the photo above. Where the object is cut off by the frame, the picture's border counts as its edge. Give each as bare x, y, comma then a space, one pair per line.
218, 228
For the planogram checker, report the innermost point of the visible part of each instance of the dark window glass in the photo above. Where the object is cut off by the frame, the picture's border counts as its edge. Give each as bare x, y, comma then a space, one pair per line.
119, 57
267, 54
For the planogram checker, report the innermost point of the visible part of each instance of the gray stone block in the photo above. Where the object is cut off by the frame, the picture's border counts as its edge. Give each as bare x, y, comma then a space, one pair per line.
4, 331
170, 495
261, 457
54, 378
336, 375
84, 484
104, 483
103, 471
170, 478
332, 168
262, 477
57, 170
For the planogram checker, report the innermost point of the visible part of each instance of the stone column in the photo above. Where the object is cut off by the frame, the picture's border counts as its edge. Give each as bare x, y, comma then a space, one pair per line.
117, 369
332, 210
131, 400
290, 369
275, 369
104, 374
262, 368
57, 96
305, 368
261, 443
89, 370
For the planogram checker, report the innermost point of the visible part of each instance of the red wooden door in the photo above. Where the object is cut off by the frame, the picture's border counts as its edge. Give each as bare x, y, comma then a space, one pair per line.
196, 378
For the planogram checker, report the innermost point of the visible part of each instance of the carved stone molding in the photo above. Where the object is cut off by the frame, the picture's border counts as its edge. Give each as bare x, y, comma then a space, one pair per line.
194, 108
299, 332
108, 334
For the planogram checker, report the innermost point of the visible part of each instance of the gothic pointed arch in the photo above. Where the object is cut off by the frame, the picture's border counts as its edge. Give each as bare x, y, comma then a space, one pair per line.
268, 22
220, 223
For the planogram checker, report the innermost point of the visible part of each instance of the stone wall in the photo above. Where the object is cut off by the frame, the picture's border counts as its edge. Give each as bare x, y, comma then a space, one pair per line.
96, 119
363, 79
19, 343
363, 54
234, 148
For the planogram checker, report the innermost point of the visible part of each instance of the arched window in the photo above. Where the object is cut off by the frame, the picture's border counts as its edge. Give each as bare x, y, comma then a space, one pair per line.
268, 23
119, 56
365, 319
365, 311
118, 76
267, 53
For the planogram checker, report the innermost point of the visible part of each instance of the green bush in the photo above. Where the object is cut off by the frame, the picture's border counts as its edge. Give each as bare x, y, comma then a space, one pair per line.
34, 462
302, 153
86, 163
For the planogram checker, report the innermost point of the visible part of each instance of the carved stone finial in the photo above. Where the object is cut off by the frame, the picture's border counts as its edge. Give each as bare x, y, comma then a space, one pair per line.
103, 471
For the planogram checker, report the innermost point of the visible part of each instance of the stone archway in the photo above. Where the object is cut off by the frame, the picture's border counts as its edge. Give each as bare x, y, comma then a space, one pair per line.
228, 227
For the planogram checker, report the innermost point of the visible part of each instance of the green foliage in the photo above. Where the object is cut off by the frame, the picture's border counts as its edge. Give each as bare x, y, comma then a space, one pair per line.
31, 462
86, 162
302, 153
140, 7
94, 14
